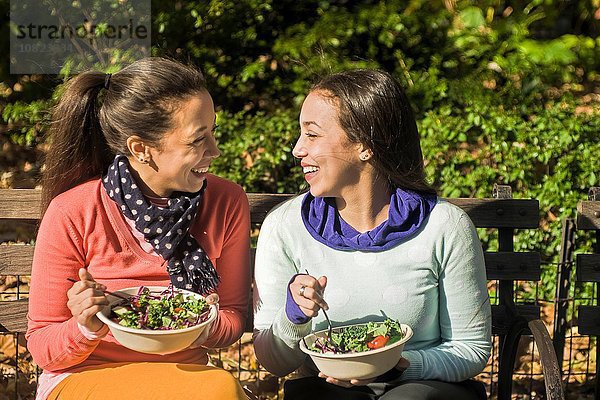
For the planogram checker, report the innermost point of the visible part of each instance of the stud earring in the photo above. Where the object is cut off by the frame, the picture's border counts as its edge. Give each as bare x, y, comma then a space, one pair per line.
364, 157
143, 160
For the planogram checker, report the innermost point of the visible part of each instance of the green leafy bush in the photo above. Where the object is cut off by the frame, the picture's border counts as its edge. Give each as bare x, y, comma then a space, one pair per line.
256, 151
503, 93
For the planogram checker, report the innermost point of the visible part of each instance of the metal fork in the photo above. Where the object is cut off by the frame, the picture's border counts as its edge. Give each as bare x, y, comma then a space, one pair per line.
328, 320
324, 314
107, 292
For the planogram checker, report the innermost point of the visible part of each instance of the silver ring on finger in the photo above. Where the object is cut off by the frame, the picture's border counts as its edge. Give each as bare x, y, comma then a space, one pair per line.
301, 291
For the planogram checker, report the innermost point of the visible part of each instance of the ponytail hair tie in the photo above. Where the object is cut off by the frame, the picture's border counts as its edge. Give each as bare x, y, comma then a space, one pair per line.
107, 81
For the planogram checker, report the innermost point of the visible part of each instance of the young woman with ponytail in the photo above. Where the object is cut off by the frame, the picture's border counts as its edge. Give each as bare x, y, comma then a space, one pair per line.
128, 201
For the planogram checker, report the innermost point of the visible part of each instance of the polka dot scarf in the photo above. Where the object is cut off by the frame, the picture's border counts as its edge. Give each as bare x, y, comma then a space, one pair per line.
167, 229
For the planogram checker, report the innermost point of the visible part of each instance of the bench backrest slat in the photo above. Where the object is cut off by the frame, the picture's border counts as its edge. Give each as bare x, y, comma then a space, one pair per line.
505, 265
588, 320
501, 213
261, 204
588, 267
14, 315
24, 204
501, 321
16, 259
588, 215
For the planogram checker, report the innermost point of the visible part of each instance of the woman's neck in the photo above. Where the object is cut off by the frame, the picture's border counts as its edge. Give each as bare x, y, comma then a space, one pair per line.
366, 206
142, 175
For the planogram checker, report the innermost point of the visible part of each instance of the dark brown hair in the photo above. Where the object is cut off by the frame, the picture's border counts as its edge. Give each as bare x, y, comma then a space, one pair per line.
91, 123
374, 111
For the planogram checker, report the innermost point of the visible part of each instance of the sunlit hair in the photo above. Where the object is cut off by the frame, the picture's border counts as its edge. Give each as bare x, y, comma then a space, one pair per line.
91, 122
373, 110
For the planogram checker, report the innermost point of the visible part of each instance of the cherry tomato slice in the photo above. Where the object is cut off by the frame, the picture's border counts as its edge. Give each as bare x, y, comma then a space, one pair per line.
378, 342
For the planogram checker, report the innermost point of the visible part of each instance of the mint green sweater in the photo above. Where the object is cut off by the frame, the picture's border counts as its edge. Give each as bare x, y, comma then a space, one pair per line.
435, 282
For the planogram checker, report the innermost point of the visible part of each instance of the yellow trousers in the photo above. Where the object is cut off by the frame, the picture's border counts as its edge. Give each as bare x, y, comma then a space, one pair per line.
146, 381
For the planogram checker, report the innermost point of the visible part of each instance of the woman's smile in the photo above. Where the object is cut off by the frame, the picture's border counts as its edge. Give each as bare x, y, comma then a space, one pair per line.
200, 172
310, 171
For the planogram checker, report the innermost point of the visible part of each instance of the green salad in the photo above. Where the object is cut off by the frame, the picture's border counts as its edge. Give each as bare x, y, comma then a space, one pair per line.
166, 310
357, 338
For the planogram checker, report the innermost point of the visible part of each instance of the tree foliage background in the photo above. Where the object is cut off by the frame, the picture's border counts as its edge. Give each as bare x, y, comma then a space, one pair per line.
504, 91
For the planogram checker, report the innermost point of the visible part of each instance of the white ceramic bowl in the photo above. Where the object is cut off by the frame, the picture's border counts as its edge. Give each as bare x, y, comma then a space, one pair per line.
363, 365
153, 341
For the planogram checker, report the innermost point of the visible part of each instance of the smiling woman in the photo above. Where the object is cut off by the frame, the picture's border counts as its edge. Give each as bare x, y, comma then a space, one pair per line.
182, 161
133, 205
380, 244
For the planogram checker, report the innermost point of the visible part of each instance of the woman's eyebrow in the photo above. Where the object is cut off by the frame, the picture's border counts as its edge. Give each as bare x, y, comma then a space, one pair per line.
199, 130
307, 123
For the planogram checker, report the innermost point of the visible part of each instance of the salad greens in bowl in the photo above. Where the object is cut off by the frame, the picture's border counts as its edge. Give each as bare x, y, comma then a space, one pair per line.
361, 351
157, 320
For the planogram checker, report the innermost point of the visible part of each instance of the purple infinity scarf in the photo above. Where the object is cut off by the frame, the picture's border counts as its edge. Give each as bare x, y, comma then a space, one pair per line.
408, 211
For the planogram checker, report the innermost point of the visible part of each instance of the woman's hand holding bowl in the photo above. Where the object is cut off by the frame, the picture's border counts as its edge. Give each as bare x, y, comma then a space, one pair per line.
211, 299
402, 365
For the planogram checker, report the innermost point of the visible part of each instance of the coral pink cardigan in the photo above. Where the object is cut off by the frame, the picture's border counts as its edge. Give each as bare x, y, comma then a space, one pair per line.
84, 228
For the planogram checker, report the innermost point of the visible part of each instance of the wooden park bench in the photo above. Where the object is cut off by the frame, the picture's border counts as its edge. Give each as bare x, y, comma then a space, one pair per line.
587, 267
504, 266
